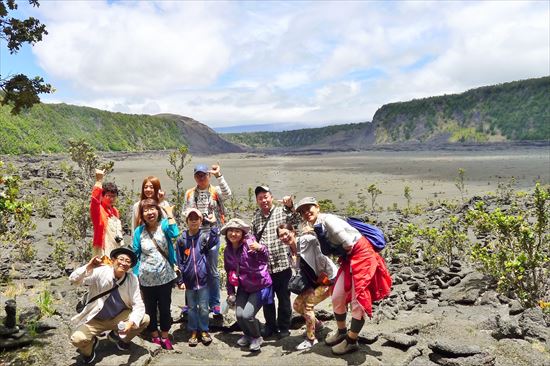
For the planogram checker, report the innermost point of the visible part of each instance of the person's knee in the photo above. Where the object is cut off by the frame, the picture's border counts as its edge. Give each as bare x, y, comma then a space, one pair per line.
78, 339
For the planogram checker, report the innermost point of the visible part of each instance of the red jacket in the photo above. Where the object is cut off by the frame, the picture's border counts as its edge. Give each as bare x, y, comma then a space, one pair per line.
371, 278
100, 214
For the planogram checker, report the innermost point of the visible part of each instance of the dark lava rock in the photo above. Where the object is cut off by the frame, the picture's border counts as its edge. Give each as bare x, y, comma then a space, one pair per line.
452, 349
400, 340
515, 307
453, 281
534, 325
481, 359
507, 328
367, 337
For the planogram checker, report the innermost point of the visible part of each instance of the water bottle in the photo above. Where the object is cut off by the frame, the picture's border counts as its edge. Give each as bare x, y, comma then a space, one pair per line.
121, 326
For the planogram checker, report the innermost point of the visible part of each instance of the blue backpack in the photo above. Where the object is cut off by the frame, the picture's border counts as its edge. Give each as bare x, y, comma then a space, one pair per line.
371, 232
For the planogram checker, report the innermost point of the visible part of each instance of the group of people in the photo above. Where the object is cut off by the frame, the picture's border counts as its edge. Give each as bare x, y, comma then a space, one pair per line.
260, 258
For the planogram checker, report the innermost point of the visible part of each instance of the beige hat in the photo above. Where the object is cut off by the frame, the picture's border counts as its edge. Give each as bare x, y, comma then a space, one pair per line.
236, 223
306, 201
189, 210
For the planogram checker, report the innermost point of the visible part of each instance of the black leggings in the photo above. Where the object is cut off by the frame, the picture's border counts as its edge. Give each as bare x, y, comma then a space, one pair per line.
158, 297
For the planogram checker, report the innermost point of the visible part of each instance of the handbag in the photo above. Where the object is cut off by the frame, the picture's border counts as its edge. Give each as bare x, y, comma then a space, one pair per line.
81, 304
297, 283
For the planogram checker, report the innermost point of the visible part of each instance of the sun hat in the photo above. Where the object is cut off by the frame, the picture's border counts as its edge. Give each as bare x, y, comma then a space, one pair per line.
124, 250
235, 223
189, 211
200, 168
305, 202
261, 189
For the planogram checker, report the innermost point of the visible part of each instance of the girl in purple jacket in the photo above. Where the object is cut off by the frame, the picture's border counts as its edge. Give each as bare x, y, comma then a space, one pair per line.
245, 262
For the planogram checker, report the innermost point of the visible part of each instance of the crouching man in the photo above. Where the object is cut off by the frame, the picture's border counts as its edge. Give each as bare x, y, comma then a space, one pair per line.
114, 297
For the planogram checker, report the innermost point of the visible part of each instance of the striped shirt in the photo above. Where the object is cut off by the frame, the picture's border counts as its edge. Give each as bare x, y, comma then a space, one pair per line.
279, 253
202, 200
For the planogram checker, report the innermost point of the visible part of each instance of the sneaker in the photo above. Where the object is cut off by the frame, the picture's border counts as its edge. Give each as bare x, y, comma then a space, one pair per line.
307, 344
193, 341
283, 334
89, 359
217, 310
205, 338
344, 347
334, 338
243, 341
122, 346
113, 336
156, 340
255, 344
166, 344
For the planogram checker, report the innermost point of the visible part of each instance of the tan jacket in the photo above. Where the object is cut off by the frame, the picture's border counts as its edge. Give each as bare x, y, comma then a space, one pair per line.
100, 280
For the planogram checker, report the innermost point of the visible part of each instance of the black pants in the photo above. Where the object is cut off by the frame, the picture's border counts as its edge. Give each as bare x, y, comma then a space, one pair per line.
158, 297
280, 288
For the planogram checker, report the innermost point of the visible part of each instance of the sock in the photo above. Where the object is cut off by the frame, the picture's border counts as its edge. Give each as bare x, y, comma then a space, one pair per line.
350, 340
342, 331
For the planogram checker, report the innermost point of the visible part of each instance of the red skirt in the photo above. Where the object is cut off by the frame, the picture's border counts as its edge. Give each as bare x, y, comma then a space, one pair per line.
371, 278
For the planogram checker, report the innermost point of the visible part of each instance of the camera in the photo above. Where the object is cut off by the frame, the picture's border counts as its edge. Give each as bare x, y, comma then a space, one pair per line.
118, 239
205, 220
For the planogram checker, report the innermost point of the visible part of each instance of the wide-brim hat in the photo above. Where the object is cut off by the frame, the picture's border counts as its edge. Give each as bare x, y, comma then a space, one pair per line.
127, 251
306, 201
235, 223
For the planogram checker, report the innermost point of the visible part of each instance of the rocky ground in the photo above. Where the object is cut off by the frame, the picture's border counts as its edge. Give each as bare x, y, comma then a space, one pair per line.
444, 316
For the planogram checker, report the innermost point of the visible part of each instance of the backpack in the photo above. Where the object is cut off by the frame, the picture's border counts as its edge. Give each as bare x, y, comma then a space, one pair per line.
213, 196
371, 232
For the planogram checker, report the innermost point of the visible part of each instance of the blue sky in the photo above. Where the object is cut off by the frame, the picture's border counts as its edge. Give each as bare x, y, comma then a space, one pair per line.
315, 63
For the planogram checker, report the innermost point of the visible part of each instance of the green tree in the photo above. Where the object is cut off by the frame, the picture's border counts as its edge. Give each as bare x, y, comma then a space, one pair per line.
374, 192
178, 159
20, 91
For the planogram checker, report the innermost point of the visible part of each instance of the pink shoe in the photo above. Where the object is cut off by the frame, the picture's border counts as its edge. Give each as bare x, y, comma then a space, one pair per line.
156, 340
166, 344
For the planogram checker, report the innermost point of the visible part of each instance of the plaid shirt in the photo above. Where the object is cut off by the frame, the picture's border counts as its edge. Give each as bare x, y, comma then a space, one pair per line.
279, 254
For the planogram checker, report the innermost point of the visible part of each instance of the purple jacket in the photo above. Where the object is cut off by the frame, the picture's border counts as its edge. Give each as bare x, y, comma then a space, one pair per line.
252, 266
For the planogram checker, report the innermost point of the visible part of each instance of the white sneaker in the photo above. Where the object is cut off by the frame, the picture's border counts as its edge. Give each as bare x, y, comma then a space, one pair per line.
256, 343
307, 344
244, 341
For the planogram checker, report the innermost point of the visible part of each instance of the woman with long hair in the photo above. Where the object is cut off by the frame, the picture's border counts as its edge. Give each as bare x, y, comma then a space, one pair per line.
155, 266
150, 188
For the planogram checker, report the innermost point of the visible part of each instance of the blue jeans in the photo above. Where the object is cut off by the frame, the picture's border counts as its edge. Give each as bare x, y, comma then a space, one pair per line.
214, 275
197, 317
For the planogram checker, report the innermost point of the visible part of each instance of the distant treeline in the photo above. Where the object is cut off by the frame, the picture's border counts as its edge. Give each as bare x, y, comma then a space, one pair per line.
512, 111
48, 127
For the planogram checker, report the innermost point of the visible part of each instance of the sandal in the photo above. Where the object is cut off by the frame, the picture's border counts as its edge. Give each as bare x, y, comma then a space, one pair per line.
193, 341
205, 338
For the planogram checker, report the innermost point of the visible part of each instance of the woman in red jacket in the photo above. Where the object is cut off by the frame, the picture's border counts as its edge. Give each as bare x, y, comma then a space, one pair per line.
362, 277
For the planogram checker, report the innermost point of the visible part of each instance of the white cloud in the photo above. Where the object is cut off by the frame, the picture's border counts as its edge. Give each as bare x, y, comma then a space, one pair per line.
252, 62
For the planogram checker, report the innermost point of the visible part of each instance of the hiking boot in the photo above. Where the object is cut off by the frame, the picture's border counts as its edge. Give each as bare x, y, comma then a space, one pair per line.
205, 338
255, 344
122, 346
89, 359
243, 341
344, 347
307, 344
268, 331
283, 334
334, 338
193, 341
166, 344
